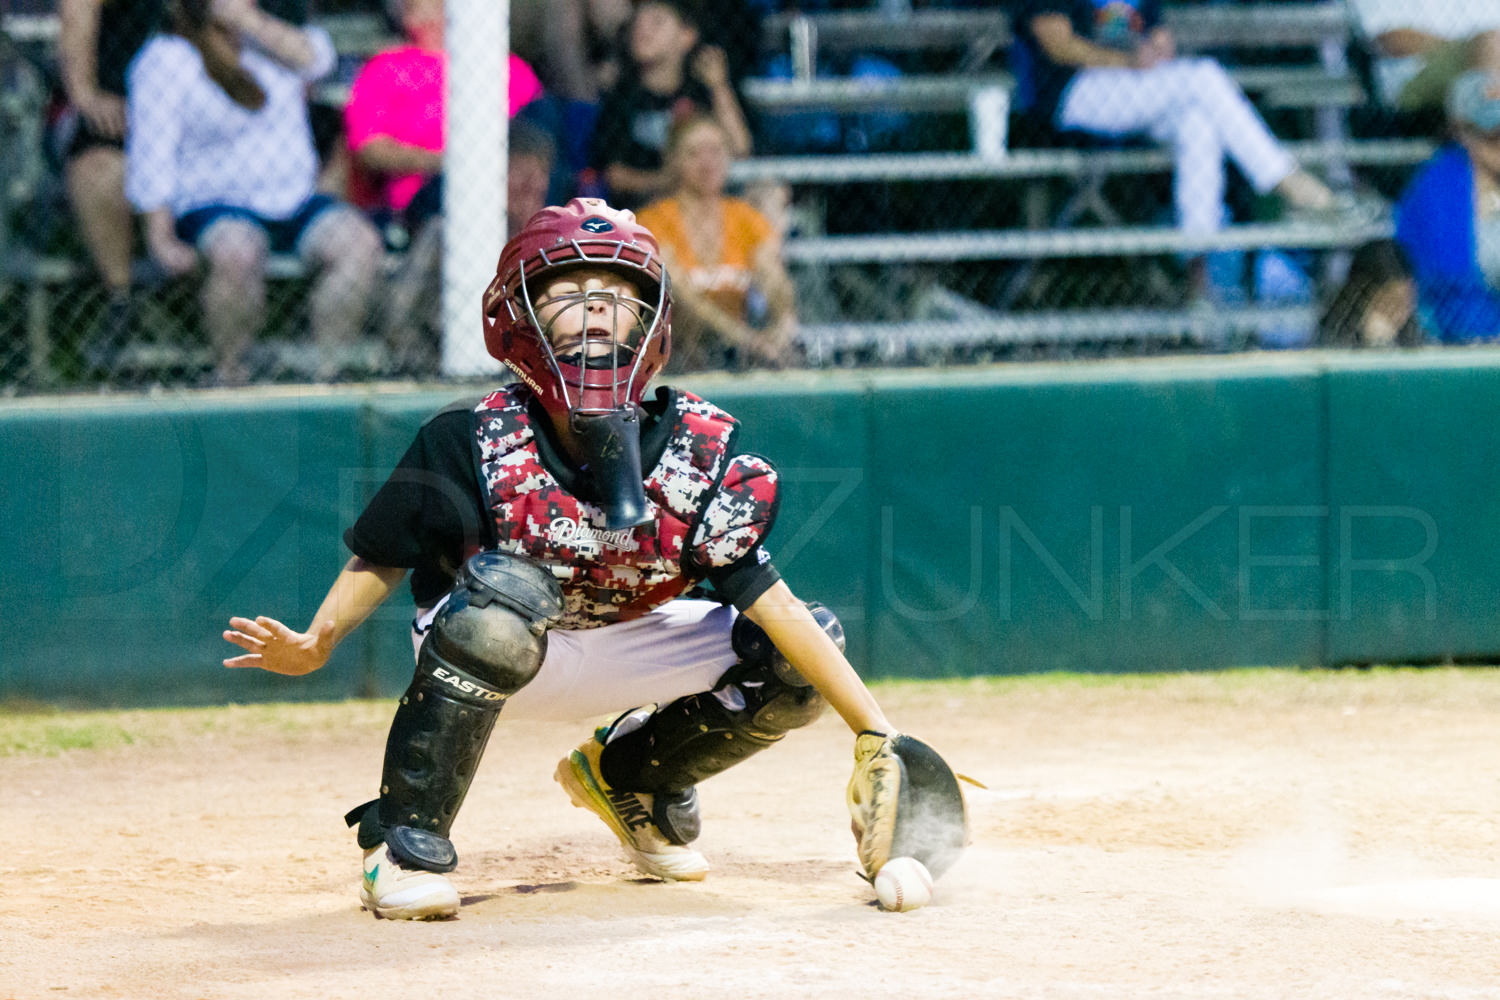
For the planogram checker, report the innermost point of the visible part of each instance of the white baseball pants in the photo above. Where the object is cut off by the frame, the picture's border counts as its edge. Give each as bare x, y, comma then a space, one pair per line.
681, 648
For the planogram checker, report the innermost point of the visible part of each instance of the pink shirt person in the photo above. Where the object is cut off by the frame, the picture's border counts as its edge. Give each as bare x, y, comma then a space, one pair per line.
399, 93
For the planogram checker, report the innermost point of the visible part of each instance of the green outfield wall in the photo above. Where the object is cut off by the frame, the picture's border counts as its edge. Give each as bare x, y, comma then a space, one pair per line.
1125, 516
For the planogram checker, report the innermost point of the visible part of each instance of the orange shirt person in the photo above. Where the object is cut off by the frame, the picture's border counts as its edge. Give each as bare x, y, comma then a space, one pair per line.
732, 291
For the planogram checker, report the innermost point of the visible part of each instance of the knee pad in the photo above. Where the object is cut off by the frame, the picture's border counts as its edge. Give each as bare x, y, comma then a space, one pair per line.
490, 637
757, 702
753, 646
486, 643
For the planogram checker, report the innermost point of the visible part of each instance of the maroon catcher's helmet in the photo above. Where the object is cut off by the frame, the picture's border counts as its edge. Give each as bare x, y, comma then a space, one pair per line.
586, 232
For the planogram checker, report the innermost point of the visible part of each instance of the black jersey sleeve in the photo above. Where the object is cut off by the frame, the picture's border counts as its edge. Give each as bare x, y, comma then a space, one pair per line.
428, 514
741, 583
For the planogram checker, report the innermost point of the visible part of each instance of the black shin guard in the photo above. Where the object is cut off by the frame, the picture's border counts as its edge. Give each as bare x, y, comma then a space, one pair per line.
486, 643
757, 702
433, 749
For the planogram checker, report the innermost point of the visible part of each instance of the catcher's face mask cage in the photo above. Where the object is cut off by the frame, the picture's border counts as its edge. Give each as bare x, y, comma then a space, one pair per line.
596, 342
585, 351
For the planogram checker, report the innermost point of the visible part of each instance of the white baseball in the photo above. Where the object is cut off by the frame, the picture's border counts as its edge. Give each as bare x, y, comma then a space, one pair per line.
903, 884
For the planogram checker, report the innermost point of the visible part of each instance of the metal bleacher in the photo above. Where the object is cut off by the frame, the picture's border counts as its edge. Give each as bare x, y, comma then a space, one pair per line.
1319, 85
977, 37
1030, 163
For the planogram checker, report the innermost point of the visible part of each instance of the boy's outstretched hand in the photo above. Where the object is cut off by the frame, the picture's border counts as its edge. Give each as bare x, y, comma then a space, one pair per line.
272, 646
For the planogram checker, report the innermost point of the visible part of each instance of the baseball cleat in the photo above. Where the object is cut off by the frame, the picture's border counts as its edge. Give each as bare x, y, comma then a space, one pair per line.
628, 814
397, 893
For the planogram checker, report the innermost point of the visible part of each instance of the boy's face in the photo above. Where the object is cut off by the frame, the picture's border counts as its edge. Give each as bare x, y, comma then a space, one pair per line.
584, 313
658, 34
702, 159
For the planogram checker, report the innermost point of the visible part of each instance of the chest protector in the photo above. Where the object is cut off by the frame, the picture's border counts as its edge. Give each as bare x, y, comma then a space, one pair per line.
708, 510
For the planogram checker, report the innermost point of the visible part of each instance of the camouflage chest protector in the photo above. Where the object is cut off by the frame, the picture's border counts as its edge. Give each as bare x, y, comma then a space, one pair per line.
706, 509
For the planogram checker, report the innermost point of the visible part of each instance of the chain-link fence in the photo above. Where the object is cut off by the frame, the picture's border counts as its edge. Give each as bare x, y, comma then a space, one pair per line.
211, 192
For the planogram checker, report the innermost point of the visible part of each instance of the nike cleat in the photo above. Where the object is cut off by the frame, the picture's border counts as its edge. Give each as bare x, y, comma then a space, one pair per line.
397, 893
628, 814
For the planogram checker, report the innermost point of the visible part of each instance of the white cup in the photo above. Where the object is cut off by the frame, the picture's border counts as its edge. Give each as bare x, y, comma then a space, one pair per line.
804, 47
989, 117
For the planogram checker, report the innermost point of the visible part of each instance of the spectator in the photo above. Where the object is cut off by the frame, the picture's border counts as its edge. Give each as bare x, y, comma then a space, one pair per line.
734, 299
1421, 48
532, 154
573, 45
220, 160
1112, 70
95, 44
669, 75
395, 117
1377, 304
395, 126
558, 38
1448, 219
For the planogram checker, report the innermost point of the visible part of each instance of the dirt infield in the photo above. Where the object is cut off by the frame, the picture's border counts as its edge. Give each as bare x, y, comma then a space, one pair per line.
1249, 834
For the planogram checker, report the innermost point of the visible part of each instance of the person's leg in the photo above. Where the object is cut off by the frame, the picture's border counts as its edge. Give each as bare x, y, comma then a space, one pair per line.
1156, 102
235, 249
1178, 102
1240, 128
95, 180
1198, 174
414, 293
345, 250
1260, 156
661, 658
411, 301
679, 649
723, 694
1117, 102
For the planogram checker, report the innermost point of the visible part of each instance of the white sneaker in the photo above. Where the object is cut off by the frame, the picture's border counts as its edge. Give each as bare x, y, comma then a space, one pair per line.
628, 814
398, 893
1350, 209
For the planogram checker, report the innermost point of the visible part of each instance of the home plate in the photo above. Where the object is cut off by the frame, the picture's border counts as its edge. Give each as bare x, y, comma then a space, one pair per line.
1412, 900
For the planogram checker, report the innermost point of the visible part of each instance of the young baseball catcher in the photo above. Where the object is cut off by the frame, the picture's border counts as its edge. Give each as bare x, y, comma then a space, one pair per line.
552, 531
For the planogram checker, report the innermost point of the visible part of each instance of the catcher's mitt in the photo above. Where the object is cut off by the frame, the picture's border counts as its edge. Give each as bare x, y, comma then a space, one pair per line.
904, 801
